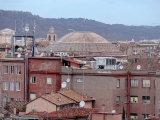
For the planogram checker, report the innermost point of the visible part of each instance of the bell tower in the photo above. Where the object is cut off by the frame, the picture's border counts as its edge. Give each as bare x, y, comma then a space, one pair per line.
51, 35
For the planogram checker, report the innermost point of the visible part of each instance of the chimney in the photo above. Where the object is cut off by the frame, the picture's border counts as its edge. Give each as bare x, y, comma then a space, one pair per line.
14, 111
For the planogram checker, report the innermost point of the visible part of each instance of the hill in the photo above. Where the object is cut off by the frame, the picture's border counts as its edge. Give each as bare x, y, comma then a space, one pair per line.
113, 32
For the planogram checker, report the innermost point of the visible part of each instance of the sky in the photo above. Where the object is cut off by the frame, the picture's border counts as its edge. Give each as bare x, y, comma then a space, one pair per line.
127, 12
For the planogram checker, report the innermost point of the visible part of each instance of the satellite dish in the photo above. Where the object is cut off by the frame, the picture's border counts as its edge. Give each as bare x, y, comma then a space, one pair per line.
113, 111
19, 49
121, 67
64, 84
26, 28
19, 55
68, 80
138, 67
82, 104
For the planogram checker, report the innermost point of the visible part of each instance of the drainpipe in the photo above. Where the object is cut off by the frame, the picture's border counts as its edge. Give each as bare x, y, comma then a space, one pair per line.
128, 96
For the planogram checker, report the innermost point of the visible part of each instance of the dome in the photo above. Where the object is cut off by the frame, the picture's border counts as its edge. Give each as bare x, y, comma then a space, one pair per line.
7, 31
84, 43
82, 37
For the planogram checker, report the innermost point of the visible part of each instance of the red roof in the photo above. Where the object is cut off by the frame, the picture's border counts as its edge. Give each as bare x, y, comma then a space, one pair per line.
66, 113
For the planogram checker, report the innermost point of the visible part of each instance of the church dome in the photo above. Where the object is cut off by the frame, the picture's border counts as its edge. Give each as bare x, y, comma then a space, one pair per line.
84, 43
82, 37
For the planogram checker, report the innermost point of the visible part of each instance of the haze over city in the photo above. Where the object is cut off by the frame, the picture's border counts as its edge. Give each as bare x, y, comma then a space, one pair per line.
131, 12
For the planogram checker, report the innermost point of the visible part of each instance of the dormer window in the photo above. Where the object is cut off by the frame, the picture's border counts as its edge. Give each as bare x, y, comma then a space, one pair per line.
136, 60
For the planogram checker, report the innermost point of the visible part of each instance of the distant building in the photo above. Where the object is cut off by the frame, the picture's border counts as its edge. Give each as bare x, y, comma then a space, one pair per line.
84, 43
134, 87
6, 35
51, 35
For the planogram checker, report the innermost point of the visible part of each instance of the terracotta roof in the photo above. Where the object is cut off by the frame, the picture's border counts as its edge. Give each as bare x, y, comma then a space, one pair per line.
57, 99
126, 44
15, 104
66, 113
75, 96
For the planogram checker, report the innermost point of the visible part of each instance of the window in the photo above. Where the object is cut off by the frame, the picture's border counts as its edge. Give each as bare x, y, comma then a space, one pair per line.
133, 116
18, 70
11, 86
134, 99
144, 116
18, 86
118, 82
49, 37
32, 96
146, 99
12, 69
118, 99
11, 99
101, 67
134, 83
17, 99
136, 60
79, 80
110, 61
32, 79
49, 80
5, 100
5, 69
2, 49
146, 83
5, 85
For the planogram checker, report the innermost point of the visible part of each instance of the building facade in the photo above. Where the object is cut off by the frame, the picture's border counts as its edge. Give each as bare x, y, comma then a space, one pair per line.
12, 79
44, 76
115, 89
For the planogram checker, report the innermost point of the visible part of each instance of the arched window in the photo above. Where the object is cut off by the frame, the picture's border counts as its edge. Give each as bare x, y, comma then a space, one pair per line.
54, 37
49, 37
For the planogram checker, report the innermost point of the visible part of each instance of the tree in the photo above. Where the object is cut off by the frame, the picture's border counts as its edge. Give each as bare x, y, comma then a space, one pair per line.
123, 114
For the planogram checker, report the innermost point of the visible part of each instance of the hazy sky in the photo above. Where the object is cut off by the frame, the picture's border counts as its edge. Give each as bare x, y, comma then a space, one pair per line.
128, 12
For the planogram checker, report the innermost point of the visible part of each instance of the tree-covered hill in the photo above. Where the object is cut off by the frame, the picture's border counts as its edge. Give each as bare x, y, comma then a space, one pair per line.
63, 26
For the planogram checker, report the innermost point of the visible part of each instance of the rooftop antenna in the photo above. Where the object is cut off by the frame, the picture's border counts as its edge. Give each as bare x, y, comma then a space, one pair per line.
33, 49
22, 34
13, 42
26, 30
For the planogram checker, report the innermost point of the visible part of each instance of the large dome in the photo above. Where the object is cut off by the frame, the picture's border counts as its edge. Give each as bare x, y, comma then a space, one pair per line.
84, 43
82, 37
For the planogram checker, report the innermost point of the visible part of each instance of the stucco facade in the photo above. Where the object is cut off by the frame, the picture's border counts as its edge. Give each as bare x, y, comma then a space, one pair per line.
40, 105
111, 88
